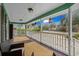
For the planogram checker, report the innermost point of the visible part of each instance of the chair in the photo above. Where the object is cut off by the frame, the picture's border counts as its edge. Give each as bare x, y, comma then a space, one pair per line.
8, 49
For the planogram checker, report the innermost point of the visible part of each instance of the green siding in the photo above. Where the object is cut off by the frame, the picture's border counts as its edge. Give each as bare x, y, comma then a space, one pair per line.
16, 23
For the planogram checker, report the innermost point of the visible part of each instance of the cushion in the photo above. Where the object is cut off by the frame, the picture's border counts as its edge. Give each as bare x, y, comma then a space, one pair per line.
5, 46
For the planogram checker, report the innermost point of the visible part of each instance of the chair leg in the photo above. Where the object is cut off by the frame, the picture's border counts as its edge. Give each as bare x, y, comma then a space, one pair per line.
54, 54
32, 54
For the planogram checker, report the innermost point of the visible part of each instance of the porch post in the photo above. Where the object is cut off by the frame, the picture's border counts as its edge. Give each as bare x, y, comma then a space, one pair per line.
70, 40
40, 32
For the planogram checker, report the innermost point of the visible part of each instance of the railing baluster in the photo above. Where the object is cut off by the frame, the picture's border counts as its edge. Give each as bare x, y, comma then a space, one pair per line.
65, 43
62, 42
52, 41
57, 42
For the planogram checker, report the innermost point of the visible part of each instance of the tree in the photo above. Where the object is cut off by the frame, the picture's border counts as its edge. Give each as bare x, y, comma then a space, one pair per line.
76, 20
75, 23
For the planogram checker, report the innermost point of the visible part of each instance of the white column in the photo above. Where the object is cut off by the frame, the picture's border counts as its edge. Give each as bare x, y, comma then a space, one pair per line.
7, 28
69, 32
71, 40
3, 24
25, 29
41, 32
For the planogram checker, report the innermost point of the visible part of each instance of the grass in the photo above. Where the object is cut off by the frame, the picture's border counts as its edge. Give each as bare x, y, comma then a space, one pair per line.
76, 36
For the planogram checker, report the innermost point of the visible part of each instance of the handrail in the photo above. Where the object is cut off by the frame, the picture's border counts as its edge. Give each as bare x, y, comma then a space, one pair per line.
55, 33
51, 33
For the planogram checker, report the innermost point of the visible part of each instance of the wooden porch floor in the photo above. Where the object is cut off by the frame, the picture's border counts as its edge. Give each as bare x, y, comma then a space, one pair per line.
33, 48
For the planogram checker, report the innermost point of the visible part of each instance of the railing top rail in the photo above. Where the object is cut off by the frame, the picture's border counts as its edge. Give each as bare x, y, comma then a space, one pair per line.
59, 33
55, 33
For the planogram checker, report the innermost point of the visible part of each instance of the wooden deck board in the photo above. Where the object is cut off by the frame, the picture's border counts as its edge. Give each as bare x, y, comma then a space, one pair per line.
20, 38
37, 49
33, 47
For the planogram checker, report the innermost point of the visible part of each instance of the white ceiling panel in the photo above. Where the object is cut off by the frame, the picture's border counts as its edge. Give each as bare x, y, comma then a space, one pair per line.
18, 11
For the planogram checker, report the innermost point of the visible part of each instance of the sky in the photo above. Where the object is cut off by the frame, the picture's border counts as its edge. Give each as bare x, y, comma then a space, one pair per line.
55, 20
58, 19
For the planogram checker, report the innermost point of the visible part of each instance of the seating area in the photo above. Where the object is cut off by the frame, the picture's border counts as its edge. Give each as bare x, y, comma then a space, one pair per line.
8, 49
28, 48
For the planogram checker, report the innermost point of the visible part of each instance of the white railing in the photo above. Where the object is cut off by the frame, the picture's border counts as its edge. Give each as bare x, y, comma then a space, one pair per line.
17, 33
58, 41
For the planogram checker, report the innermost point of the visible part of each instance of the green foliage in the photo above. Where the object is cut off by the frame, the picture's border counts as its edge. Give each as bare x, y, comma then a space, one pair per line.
62, 29
76, 20
76, 36
36, 29
45, 28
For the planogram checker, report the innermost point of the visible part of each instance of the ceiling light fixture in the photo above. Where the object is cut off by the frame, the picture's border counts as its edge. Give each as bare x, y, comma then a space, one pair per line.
30, 9
21, 19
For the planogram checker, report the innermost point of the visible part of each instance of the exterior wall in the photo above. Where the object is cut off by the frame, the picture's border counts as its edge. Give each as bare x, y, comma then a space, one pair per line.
0, 26
0, 23
4, 25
